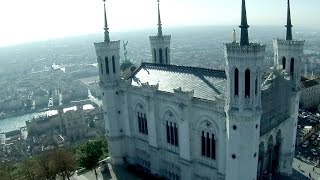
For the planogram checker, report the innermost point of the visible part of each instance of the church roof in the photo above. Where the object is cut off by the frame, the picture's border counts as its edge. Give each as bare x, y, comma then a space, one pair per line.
206, 83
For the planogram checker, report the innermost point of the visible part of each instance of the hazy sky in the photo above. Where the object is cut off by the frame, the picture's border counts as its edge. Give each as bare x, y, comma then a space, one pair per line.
30, 20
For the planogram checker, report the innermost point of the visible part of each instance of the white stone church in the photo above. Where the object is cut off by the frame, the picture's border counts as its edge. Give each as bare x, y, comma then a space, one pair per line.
190, 123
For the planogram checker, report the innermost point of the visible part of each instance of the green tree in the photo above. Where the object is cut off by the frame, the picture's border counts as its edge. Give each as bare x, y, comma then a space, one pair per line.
28, 170
6, 171
64, 163
90, 153
44, 165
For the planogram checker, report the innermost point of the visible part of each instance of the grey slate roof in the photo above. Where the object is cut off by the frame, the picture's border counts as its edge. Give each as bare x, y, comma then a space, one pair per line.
206, 83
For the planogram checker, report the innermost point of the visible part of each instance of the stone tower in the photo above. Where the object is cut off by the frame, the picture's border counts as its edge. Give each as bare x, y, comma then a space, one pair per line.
108, 57
244, 63
160, 44
288, 60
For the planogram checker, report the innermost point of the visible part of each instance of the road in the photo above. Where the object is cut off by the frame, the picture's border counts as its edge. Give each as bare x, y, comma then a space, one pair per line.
114, 173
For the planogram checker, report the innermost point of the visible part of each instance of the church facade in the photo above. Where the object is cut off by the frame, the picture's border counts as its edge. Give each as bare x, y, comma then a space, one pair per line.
183, 122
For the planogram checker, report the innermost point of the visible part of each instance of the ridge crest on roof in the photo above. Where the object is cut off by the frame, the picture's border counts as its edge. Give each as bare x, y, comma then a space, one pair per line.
182, 69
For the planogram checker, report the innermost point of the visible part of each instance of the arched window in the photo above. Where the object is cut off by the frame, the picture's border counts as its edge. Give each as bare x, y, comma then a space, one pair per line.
256, 87
142, 120
208, 141
283, 63
113, 65
171, 129
107, 65
247, 83
155, 55
167, 61
101, 66
160, 56
236, 82
292, 66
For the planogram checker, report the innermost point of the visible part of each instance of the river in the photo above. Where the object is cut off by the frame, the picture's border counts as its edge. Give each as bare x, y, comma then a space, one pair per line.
13, 123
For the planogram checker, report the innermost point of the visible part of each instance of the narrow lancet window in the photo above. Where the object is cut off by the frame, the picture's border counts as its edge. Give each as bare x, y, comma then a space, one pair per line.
247, 83
292, 66
208, 145
113, 65
256, 87
213, 147
107, 65
160, 56
155, 55
236, 82
283, 63
203, 144
176, 142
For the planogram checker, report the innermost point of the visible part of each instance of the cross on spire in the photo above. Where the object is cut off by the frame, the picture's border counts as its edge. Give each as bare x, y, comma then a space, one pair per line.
244, 37
159, 20
106, 28
289, 25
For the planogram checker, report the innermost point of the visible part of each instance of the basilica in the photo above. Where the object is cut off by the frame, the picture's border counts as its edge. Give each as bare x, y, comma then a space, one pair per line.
190, 123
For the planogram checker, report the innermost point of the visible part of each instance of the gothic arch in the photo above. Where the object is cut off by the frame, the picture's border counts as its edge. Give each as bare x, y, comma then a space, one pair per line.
113, 65
247, 83
160, 56
107, 65
155, 55
236, 82
169, 115
206, 140
171, 128
292, 66
141, 119
101, 65
169, 109
284, 62
206, 119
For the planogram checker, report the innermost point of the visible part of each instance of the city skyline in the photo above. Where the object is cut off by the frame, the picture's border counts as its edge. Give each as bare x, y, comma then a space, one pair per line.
39, 20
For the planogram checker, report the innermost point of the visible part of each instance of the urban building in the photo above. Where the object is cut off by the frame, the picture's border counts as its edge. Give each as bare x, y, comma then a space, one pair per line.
184, 122
310, 93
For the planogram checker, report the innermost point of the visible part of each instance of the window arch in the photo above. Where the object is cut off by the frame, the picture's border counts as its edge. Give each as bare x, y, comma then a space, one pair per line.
167, 61
256, 86
142, 120
171, 129
160, 56
113, 65
155, 55
101, 66
208, 140
247, 83
292, 66
107, 65
284, 63
236, 82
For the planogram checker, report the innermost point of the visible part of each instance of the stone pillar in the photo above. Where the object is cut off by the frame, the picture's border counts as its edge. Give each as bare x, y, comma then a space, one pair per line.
186, 170
184, 134
152, 126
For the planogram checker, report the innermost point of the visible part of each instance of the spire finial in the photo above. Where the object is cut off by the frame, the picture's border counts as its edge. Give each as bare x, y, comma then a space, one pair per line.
289, 25
244, 38
106, 29
159, 20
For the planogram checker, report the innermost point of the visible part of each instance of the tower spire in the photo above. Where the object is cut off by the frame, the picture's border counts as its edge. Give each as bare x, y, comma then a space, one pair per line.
106, 28
159, 20
289, 25
244, 38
